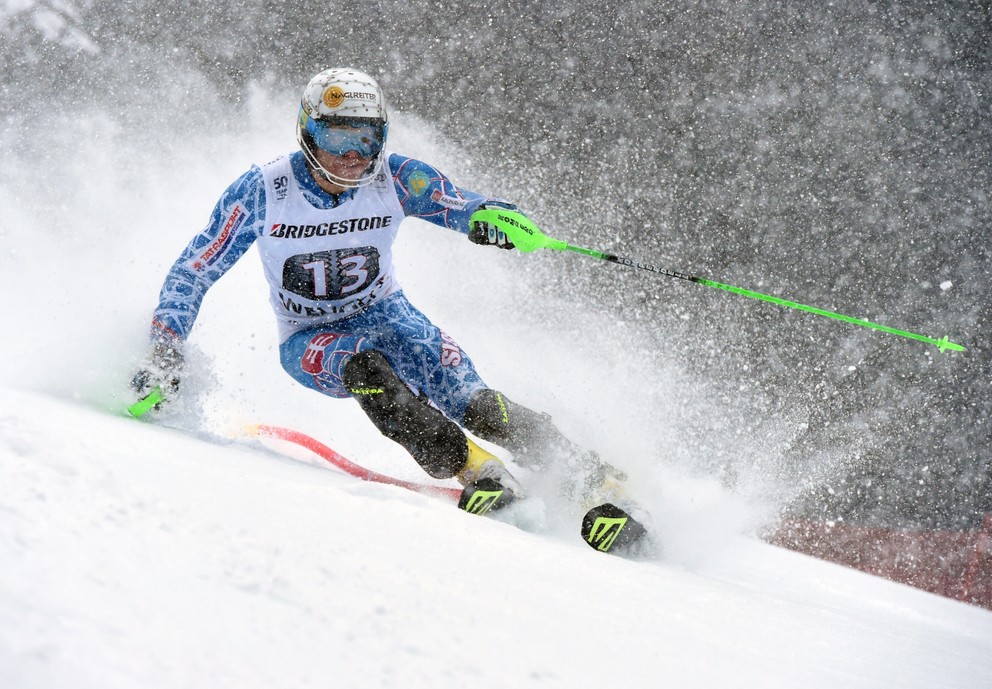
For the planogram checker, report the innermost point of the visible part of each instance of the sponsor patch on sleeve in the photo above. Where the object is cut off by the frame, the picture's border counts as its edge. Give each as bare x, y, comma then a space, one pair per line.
219, 246
418, 182
451, 353
448, 201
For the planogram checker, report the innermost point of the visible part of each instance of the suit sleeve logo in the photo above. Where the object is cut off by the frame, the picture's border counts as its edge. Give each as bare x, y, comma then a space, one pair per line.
216, 249
419, 181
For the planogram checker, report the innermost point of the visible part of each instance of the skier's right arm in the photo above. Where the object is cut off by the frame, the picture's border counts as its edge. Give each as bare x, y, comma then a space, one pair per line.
233, 227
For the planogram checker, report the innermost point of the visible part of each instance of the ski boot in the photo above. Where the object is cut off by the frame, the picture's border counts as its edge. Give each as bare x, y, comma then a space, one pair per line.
608, 525
488, 484
610, 529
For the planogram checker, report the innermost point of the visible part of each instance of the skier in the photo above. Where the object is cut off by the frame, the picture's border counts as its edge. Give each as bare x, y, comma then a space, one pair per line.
324, 219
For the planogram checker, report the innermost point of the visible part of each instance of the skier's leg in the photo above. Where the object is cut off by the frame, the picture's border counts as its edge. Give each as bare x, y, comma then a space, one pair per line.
436, 442
342, 364
434, 364
535, 440
316, 358
531, 436
441, 377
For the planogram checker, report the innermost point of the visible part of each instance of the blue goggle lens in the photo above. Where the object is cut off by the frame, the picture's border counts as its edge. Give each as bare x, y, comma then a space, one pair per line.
338, 139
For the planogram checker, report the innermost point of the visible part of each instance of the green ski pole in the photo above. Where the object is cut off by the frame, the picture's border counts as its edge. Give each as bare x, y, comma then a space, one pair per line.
526, 236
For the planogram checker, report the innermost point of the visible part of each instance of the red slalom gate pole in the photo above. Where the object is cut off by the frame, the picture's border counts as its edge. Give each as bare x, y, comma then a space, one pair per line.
346, 465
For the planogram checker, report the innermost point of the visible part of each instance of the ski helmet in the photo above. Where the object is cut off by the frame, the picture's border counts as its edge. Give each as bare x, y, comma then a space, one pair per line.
343, 110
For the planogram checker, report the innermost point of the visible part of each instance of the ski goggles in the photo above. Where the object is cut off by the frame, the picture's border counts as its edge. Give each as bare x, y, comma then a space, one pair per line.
340, 136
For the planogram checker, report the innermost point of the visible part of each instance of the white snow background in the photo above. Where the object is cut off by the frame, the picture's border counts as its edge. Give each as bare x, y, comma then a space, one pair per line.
138, 555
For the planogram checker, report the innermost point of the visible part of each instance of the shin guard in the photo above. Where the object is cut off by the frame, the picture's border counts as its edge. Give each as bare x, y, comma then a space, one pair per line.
526, 433
435, 441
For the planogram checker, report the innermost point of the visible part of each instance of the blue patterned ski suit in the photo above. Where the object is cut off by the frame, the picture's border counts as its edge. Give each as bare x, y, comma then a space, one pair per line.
336, 296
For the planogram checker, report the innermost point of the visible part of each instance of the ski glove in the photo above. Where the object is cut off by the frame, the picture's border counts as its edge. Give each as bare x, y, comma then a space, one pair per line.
486, 234
162, 369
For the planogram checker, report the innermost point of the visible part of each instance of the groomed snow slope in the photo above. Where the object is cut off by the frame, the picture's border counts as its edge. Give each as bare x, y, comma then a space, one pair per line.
137, 556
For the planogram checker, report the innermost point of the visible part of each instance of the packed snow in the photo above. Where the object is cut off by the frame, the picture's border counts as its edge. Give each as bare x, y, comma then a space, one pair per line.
140, 556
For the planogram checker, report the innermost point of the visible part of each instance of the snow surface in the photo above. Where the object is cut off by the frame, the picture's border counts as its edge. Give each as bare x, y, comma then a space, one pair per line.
137, 555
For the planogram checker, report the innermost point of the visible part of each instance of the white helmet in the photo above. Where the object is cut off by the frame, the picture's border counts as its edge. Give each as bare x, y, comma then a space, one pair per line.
343, 110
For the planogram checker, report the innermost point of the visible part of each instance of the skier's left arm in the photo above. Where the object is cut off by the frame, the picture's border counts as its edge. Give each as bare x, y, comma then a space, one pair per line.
426, 193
